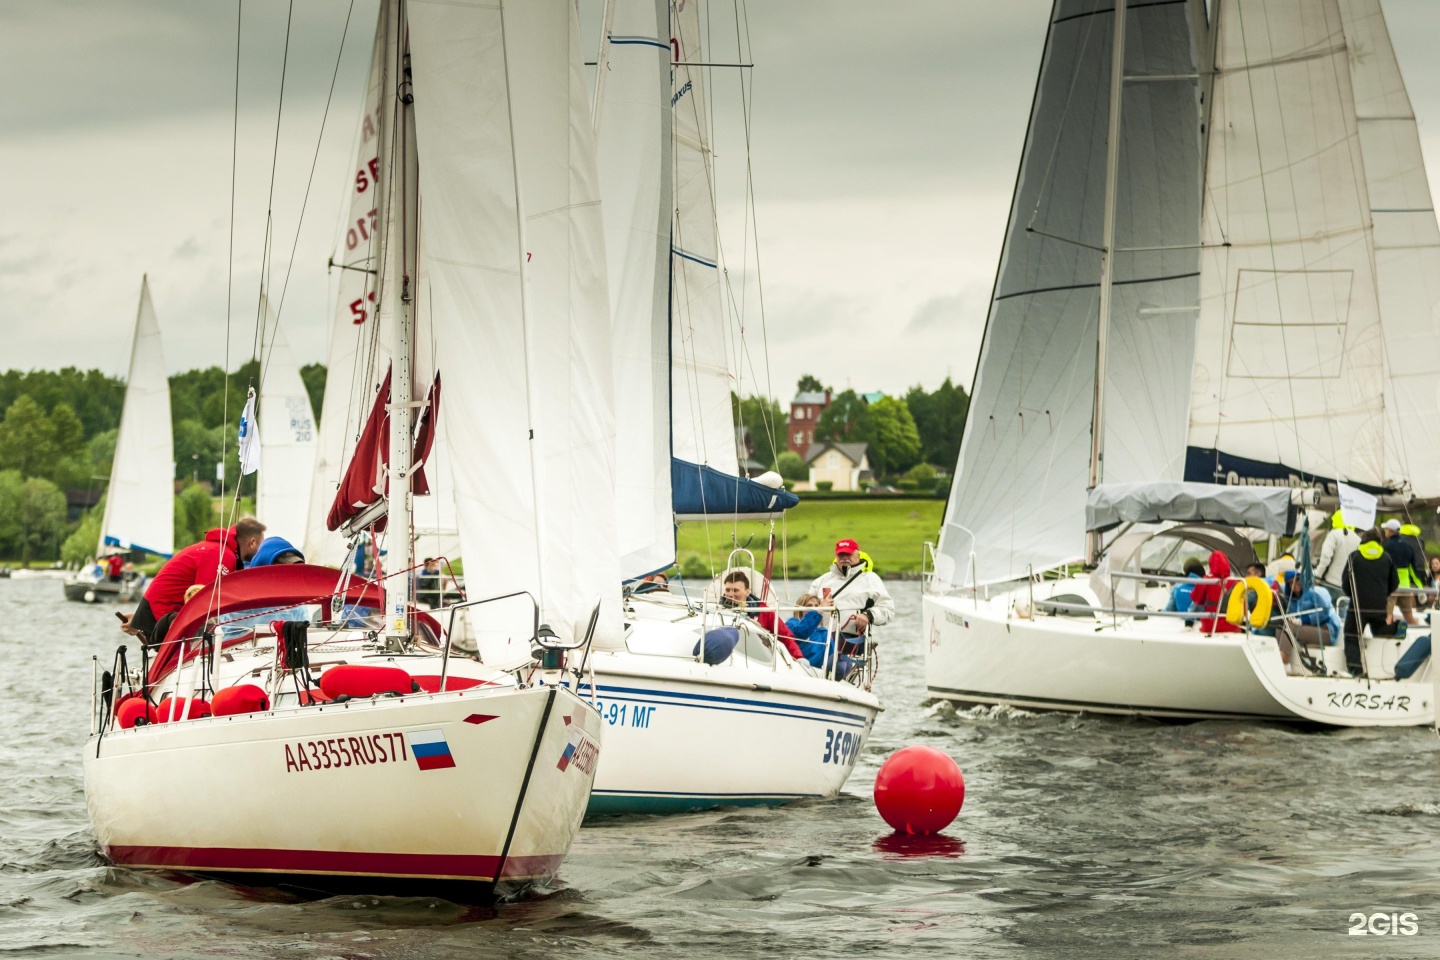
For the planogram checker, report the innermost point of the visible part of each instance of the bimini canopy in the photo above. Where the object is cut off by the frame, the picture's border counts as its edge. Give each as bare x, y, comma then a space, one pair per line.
698, 491
1272, 509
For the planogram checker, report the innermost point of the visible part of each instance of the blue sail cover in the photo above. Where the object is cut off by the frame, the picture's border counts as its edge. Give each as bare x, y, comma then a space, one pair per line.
699, 491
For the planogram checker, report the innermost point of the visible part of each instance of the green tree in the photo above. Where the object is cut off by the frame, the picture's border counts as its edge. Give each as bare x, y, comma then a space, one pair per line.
197, 450
809, 384
100, 453
940, 419
194, 514
80, 545
42, 517
314, 376
895, 446
792, 466
848, 419
27, 438
12, 529
762, 416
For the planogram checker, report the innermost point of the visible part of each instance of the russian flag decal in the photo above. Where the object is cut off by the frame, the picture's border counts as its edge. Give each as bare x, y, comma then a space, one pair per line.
430, 749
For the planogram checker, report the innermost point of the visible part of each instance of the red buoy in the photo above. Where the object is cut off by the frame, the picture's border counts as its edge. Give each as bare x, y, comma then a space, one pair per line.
919, 790
364, 680
133, 710
245, 698
184, 708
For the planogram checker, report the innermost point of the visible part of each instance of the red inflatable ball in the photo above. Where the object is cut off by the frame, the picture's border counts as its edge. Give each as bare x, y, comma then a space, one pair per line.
246, 698
919, 790
132, 710
185, 708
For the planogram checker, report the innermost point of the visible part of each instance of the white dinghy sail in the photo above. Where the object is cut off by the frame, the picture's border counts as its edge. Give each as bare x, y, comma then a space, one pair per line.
287, 437
140, 501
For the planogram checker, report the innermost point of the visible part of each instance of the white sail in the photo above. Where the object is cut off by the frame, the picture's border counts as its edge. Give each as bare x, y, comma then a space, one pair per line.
1289, 375
287, 437
633, 149
514, 247
1407, 249
140, 501
355, 364
702, 422
1018, 500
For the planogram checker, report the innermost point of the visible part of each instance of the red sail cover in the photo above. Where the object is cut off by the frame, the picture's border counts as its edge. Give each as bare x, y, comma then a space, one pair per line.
365, 477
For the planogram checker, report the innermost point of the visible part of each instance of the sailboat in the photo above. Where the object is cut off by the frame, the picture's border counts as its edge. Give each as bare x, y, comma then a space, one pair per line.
1203, 319
348, 748
287, 437
789, 731
140, 500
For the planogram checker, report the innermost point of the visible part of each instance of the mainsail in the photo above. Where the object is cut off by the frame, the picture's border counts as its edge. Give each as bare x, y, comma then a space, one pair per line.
1018, 501
140, 501
1289, 381
513, 245
702, 423
634, 150
287, 437
1407, 249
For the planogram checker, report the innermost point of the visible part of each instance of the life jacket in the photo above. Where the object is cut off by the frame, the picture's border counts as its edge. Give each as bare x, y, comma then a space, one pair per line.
1209, 597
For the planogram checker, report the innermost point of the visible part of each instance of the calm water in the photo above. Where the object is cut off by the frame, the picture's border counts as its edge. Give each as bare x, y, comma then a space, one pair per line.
1079, 837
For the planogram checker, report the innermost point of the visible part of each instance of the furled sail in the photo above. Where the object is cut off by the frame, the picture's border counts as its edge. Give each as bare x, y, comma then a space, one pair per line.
287, 437
1289, 381
513, 242
634, 149
358, 354
702, 422
1018, 500
140, 501
1407, 249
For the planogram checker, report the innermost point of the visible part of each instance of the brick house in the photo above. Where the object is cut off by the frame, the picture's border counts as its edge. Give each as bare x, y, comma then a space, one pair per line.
805, 412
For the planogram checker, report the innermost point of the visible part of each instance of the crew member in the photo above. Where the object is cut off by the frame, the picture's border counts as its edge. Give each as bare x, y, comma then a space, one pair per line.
1407, 565
1372, 578
856, 592
189, 571
737, 594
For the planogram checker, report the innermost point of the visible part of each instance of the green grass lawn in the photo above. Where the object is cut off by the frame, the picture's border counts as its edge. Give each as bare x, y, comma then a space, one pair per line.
891, 531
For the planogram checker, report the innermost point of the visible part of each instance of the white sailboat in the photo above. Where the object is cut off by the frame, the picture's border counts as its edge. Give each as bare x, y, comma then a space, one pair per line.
140, 500
287, 437
426, 770
658, 693
1182, 338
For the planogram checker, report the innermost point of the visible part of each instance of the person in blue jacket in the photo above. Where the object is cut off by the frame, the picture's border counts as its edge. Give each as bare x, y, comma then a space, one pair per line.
805, 627
1316, 599
1180, 595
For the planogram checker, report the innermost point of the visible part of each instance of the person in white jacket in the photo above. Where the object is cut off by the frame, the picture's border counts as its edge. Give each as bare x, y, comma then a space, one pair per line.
1335, 553
857, 594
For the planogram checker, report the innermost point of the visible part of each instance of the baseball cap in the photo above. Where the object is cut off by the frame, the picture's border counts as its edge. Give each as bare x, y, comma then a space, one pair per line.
846, 546
1391, 524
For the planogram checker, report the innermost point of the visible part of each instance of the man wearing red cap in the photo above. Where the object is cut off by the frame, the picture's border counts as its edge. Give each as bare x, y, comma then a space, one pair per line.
856, 593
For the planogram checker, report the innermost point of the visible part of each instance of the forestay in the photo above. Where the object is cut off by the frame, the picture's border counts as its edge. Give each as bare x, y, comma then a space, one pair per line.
634, 159
1018, 501
1407, 249
513, 246
140, 501
702, 423
287, 437
1289, 371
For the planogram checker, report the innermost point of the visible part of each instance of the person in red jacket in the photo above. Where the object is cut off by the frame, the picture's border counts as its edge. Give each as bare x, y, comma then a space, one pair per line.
1210, 597
195, 567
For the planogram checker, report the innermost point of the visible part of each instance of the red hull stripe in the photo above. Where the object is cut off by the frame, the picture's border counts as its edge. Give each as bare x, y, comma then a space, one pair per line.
438, 866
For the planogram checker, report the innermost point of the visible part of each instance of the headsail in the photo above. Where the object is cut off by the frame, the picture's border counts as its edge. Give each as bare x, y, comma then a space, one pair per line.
140, 502
287, 437
634, 151
513, 243
702, 423
1018, 501
1289, 376
1407, 249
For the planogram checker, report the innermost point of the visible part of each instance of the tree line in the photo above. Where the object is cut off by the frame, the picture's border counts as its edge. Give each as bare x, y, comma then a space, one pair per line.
911, 440
58, 434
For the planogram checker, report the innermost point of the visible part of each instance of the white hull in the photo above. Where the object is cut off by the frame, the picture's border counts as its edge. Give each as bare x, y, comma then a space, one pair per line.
684, 735
983, 653
334, 796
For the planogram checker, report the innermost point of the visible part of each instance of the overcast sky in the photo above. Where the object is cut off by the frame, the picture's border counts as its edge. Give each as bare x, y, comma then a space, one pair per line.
884, 146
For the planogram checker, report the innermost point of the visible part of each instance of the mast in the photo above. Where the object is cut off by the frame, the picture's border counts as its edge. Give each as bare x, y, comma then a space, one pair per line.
403, 181
1107, 257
